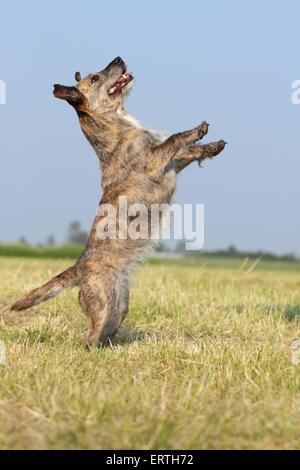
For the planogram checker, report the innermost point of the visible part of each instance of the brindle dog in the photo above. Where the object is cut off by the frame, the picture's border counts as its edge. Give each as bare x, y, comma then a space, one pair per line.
135, 162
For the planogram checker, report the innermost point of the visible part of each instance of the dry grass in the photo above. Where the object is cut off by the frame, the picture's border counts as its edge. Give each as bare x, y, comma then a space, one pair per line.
203, 362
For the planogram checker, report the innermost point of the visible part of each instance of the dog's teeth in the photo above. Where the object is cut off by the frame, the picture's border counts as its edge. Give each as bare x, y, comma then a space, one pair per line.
120, 83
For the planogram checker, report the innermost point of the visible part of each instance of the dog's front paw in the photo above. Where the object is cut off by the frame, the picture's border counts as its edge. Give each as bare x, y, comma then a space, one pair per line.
217, 148
202, 130
210, 150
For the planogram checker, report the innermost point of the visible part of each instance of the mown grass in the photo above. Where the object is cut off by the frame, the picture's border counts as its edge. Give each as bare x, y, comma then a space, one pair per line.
202, 362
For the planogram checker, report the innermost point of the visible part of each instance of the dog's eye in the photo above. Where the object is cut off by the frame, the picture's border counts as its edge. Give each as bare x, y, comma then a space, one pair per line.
94, 78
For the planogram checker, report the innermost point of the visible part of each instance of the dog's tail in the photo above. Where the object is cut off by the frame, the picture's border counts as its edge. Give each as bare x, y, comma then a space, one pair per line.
49, 290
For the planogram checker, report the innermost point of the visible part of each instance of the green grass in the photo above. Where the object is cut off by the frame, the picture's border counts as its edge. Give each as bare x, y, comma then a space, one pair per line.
204, 259
202, 362
43, 252
246, 265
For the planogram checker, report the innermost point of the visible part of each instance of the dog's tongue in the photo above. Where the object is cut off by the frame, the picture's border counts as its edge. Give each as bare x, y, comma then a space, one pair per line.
120, 83
123, 77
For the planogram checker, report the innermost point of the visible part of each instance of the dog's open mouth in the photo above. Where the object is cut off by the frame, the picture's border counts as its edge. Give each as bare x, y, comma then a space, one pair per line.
122, 81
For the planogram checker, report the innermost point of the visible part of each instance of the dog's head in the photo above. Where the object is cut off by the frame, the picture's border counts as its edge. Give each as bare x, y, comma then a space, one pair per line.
100, 92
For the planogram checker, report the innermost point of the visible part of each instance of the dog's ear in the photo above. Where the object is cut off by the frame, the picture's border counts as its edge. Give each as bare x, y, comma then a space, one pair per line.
68, 93
78, 77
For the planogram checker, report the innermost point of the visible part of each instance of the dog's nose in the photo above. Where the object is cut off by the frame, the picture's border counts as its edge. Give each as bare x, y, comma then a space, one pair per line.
118, 60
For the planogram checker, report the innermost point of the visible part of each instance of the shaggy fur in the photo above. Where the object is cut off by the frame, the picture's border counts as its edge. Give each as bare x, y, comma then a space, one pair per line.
134, 162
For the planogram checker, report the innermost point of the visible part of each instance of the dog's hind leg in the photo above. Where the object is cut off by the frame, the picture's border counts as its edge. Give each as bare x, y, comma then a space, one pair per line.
123, 301
98, 298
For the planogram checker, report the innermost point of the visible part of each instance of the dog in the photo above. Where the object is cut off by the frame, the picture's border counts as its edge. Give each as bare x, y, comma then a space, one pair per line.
135, 163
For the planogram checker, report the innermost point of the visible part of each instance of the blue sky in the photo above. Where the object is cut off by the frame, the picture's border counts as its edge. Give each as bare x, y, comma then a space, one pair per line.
228, 62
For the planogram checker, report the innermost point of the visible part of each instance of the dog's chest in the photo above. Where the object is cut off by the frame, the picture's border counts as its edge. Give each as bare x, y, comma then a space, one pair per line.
165, 186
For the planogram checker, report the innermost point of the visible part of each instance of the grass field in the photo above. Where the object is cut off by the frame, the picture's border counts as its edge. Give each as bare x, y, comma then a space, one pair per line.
202, 362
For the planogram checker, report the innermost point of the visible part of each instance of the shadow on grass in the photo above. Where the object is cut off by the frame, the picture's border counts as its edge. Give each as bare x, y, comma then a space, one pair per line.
292, 312
127, 336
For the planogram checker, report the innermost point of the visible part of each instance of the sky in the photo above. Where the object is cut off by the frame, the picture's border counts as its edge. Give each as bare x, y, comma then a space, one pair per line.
230, 63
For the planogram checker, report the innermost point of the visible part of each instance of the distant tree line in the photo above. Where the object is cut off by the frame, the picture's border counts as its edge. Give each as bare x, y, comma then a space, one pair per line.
233, 252
75, 236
